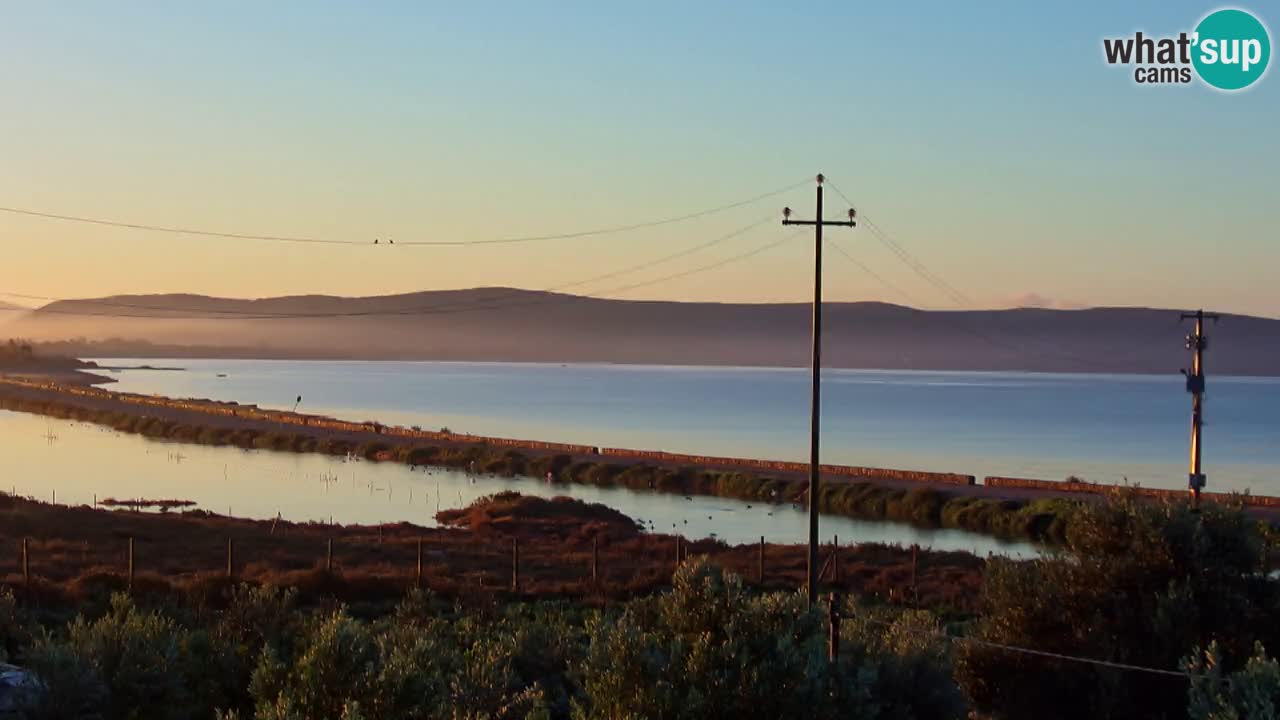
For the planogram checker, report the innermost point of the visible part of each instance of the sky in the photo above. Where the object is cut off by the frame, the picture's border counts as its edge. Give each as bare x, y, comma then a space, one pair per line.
990, 140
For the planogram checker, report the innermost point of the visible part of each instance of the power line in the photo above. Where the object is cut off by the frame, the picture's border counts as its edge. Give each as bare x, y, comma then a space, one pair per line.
617, 228
624, 288
941, 635
176, 230
906, 257
863, 266
1072, 658
261, 314
666, 258
432, 309
704, 268
203, 313
959, 298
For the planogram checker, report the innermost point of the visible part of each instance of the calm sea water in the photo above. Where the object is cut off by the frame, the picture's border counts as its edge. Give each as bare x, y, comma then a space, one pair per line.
1105, 428
73, 462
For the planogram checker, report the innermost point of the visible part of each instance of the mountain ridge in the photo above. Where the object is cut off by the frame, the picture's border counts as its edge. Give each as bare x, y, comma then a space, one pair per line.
511, 324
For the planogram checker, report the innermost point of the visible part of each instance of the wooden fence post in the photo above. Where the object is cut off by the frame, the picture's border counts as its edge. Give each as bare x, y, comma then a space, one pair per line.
835, 559
130, 579
915, 561
678, 539
328, 555
418, 574
833, 629
26, 569
515, 565
760, 563
231, 559
595, 561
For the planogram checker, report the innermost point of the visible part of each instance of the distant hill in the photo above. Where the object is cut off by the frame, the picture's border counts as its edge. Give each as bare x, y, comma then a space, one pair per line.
521, 325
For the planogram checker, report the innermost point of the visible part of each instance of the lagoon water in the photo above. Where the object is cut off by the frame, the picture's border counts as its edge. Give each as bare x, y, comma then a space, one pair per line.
72, 463
1104, 428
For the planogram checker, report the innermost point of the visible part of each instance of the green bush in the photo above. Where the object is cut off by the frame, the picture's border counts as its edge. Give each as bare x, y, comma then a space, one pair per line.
368, 450
1251, 692
421, 455
125, 665
329, 674
15, 631
1137, 582
420, 664
709, 649
223, 655
71, 687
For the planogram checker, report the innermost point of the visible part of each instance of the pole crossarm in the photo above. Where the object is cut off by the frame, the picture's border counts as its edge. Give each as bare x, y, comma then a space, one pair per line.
836, 223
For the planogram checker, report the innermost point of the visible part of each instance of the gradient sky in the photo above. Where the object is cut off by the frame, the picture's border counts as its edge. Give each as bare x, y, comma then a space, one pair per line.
990, 139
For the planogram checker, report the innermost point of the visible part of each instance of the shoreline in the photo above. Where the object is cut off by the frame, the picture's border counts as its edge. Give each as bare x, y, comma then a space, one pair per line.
1012, 508
249, 356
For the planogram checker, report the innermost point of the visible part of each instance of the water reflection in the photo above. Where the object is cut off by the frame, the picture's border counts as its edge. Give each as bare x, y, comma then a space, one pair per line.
79, 461
1105, 428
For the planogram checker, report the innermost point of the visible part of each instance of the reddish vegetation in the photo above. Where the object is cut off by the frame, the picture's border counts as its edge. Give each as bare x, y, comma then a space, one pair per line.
79, 554
571, 521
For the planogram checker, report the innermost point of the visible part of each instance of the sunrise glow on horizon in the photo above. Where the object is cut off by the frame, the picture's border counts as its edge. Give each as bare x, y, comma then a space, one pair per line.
996, 145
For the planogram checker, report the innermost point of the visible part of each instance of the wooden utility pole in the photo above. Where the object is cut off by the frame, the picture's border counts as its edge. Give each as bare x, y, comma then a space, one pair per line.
1197, 343
815, 408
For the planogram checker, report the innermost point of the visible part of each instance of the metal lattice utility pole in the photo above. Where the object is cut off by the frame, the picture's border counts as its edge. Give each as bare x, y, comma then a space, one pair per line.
1197, 342
816, 369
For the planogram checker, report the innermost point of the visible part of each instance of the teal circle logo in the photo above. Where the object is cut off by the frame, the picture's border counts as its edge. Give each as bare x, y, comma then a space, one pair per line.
1232, 49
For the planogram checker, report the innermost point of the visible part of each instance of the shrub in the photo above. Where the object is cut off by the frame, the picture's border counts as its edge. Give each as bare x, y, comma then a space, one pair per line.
709, 650
330, 672
15, 629
421, 455
421, 665
1137, 582
71, 688
368, 450
1251, 692
123, 665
